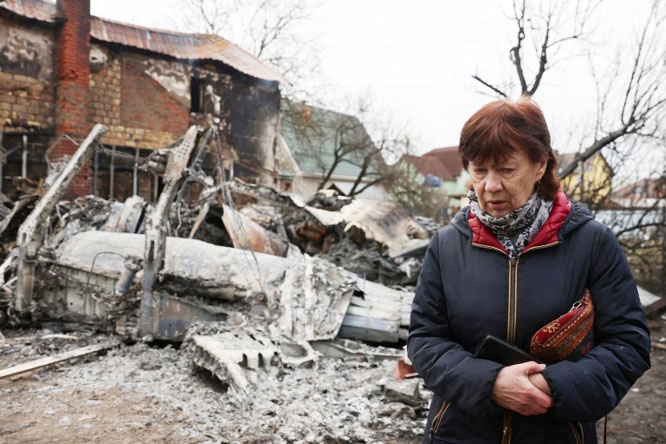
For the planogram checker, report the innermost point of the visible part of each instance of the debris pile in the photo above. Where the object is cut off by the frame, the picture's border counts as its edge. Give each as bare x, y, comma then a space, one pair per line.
254, 283
228, 255
139, 393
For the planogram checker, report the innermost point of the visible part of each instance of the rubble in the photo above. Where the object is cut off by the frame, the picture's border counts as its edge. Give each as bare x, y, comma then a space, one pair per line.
381, 315
139, 393
232, 359
405, 391
115, 266
253, 283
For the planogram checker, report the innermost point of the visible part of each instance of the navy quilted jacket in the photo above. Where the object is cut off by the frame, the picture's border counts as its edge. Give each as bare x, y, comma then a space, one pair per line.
468, 288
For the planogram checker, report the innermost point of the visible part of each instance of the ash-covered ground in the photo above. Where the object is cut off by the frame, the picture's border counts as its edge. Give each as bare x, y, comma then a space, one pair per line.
150, 394
155, 394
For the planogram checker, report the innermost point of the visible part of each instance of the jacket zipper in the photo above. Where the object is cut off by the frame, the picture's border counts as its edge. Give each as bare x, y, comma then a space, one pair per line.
512, 311
512, 305
437, 420
506, 428
512, 308
577, 431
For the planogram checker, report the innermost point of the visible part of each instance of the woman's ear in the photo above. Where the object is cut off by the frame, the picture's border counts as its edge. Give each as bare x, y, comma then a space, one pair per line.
542, 169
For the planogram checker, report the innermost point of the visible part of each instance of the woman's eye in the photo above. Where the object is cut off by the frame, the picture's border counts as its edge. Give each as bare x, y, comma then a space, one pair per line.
507, 170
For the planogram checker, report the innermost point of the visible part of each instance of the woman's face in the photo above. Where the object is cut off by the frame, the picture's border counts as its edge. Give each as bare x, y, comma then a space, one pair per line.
505, 186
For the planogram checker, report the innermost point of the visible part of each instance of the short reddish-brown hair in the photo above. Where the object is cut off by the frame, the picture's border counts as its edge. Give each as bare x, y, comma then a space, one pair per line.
505, 126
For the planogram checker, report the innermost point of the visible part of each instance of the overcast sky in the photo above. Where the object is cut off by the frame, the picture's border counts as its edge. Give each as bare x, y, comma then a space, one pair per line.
416, 58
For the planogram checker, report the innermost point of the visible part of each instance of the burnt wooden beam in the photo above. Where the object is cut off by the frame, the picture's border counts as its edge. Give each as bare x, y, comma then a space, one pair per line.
655, 308
44, 362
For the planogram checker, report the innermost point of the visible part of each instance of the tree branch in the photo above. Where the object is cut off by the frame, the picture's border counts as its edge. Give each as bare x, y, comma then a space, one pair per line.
488, 85
515, 52
596, 147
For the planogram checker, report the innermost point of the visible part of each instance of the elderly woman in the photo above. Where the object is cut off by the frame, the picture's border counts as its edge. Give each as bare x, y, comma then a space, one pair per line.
516, 258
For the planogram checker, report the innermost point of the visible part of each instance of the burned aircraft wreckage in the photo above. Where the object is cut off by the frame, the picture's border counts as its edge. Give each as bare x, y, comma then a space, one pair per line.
304, 273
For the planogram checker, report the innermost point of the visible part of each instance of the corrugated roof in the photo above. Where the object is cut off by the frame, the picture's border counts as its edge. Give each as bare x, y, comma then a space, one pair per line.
179, 45
182, 46
41, 10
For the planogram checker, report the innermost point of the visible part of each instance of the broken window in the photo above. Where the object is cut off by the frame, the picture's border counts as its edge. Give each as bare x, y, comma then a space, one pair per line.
197, 87
23, 162
203, 99
117, 174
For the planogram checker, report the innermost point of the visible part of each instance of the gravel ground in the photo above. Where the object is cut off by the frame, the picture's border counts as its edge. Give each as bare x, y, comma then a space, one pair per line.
139, 393
148, 394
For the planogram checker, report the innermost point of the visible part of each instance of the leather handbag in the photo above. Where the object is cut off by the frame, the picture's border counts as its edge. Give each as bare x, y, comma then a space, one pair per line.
570, 336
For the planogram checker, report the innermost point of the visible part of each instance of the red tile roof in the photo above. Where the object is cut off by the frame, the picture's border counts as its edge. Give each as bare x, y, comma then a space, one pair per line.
644, 188
179, 45
441, 162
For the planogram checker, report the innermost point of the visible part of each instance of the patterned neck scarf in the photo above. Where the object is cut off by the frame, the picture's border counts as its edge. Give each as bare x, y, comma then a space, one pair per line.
516, 229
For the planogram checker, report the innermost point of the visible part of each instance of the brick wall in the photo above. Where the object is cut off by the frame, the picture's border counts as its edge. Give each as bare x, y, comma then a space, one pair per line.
26, 104
138, 112
253, 125
142, 99
106, 99
72, 97
148, 111
72, 69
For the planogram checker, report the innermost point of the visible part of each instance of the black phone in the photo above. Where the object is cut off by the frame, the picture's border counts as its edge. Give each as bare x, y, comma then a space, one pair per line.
500, 351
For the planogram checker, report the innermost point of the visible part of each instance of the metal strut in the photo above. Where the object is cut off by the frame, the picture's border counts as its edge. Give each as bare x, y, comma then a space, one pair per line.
174, 175
31, 232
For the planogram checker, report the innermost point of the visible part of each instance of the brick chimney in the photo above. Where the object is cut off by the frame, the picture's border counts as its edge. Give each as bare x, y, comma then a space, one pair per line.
72, 70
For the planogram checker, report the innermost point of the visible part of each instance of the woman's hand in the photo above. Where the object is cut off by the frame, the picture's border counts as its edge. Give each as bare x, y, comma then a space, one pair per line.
540, 382
522, 389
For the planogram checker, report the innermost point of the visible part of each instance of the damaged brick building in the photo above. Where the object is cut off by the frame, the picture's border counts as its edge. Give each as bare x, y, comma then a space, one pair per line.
62, 71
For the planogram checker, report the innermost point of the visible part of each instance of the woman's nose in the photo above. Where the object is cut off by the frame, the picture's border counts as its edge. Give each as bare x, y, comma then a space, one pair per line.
493, 183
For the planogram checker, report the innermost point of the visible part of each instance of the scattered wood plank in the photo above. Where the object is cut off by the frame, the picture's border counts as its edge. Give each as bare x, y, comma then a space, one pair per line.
655, 308
60, 336
43, 362
200, 218
659, 345
336, 350
3, 342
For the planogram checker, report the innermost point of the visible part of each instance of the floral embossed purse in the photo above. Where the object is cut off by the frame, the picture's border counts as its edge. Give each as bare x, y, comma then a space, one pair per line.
570, 336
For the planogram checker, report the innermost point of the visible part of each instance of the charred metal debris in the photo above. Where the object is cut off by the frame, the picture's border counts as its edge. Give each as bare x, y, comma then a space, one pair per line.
273, 276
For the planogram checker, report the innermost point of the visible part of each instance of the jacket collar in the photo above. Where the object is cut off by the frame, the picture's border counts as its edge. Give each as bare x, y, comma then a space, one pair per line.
547, 235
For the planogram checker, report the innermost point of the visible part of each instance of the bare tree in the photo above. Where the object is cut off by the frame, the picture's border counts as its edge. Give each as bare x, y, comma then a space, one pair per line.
631, 92
272, 30
640, 226
341, 144
628, 124
415, 196
386, 142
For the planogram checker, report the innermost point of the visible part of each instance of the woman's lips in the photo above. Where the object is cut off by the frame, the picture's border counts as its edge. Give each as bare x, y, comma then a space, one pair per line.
496, 204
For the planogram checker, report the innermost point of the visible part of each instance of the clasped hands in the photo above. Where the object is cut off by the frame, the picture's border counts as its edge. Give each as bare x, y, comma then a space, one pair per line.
523, 389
